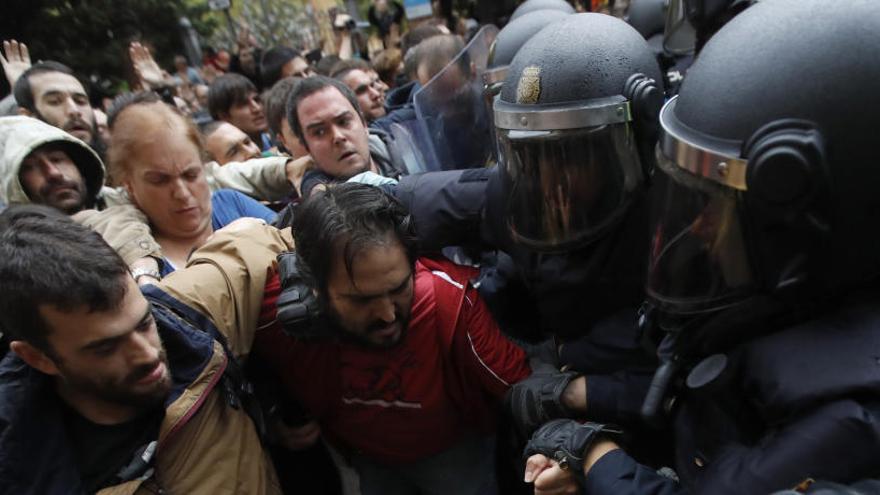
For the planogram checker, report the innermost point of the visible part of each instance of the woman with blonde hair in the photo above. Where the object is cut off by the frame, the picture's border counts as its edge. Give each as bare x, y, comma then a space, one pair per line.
158, 158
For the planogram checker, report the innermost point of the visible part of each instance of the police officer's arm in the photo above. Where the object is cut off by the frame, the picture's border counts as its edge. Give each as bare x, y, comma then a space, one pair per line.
225, 279
448, 207
564, 455
607, 469
835, 441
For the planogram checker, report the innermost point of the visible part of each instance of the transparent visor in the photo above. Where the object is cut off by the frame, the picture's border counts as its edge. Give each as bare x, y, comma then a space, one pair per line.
679, 35
698, 259
563, 188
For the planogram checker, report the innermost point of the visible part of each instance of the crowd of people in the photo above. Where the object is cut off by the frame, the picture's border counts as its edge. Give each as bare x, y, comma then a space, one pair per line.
579, 254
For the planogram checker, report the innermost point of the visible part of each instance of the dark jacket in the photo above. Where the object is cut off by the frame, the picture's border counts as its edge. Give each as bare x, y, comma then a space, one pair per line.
800, 403
399, 107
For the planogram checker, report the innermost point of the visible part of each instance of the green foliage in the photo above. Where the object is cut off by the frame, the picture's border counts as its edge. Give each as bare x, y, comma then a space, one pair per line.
272, 22
92, 36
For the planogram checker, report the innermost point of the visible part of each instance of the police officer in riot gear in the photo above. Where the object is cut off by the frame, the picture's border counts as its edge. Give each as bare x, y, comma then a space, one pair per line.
690, 23
764, 266
509, 41
602, 119
576, 123
649, 19
533, 5
688, 26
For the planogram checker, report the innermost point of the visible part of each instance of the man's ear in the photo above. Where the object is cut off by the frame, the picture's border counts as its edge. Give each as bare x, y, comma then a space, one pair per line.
24, 111
34, 357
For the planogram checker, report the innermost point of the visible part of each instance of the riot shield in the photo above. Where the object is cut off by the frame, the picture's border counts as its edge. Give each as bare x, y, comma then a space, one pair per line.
456, 124
407, 136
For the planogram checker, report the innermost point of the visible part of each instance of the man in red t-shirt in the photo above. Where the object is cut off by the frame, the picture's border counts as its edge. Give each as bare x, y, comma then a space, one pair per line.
408, 367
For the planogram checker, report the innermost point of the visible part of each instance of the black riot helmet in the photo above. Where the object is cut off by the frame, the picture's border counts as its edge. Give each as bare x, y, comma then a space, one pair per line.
533, 5
774, 166
690, 23
510, 40
649, 19
576, 124
647, 16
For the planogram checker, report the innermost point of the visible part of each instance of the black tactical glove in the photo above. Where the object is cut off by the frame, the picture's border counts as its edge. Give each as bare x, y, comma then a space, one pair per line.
566, 441
538, 399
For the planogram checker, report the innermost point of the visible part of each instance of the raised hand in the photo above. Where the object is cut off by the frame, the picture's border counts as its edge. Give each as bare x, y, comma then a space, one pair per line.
145, 66
16, 60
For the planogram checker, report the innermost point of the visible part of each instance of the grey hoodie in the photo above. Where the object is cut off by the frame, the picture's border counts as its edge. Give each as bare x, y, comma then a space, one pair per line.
19, 136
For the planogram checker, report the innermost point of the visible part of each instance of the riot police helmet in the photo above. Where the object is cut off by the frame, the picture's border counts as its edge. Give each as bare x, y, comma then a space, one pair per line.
511, 39
533, 5
771, 153
576, 124
690, 23
647, 16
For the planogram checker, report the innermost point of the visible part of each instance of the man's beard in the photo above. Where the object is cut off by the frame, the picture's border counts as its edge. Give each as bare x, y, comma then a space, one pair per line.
75, 125
333, 319
46, 191
121, 392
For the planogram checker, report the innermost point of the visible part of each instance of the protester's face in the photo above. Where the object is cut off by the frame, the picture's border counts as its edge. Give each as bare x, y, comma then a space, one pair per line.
201, 91
114, 356
368, 93
298, 67
166, 180
228, 144
61, 101
248, 115
334, 133
379, 84
291, 142
48, 176
372, 304
223, 59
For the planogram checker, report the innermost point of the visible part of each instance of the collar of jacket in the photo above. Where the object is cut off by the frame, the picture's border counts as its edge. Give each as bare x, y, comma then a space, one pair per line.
385, 155
401, 96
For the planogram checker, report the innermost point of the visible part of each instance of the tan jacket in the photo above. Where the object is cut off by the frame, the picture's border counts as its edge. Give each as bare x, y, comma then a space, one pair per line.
225, 278
217, 450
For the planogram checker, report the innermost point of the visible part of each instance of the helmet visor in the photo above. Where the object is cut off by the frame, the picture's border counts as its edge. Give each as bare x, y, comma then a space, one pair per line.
679, 35
564, 187
698, 259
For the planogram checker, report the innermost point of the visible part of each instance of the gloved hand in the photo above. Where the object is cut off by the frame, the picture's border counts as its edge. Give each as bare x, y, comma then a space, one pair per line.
566, 441
538, 399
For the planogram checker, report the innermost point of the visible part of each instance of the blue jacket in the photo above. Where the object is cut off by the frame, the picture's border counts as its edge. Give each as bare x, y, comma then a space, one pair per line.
399, 107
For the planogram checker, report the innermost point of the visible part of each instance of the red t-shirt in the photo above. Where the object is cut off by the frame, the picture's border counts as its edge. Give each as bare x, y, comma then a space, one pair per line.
398, 405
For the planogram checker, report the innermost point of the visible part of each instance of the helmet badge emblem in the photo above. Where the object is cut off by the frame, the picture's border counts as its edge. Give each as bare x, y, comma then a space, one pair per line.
529, 88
